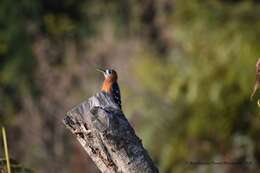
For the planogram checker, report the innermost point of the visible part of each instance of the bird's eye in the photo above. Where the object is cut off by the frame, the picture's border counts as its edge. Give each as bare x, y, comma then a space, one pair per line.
108, 71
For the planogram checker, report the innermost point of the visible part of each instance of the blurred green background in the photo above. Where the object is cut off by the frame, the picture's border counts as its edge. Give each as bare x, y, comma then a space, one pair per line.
186, 70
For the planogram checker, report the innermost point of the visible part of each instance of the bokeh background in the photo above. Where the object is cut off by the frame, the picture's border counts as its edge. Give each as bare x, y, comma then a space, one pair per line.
186, 70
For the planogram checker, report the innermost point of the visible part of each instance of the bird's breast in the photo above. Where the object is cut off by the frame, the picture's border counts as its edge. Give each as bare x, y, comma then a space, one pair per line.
107, 87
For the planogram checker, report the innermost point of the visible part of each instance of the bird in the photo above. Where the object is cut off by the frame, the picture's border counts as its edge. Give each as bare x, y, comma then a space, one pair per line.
110, 85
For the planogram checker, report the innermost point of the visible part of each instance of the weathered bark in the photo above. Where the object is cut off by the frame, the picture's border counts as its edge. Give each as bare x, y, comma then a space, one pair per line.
107, 136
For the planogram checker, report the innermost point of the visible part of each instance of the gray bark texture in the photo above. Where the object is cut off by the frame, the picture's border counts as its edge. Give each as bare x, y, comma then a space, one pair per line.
108, 138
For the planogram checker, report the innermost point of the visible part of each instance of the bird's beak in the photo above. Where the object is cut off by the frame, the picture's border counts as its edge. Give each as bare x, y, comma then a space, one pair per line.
101, 70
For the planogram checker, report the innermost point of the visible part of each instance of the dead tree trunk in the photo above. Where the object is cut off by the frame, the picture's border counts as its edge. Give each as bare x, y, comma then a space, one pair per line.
108, 138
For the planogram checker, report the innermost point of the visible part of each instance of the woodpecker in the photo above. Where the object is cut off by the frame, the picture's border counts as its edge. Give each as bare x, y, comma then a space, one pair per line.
110, 85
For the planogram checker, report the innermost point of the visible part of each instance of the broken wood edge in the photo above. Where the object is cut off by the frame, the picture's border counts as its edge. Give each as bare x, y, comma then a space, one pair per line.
99, 140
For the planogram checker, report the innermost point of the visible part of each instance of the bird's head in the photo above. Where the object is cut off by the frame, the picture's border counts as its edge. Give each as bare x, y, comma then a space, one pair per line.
109, 74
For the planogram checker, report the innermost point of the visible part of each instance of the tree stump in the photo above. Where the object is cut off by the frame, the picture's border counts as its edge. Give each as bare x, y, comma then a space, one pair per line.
108, 138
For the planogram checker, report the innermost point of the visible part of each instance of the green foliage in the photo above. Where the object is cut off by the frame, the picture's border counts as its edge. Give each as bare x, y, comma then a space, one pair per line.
198, 98
193, 91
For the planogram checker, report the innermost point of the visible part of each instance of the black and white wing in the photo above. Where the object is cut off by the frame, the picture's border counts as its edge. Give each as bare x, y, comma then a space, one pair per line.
116, 94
